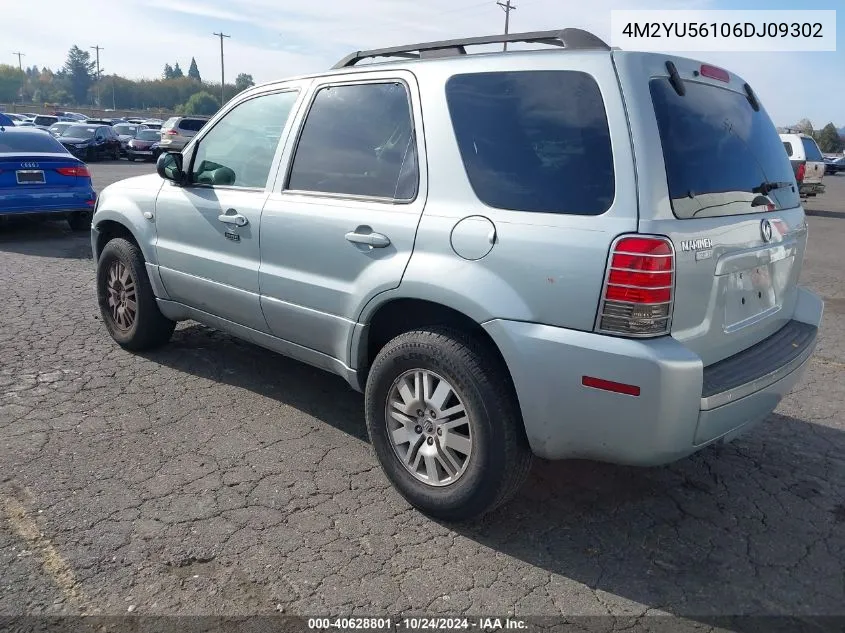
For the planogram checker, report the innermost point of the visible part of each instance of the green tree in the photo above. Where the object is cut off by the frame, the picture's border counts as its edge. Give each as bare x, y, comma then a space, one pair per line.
243, 81
201, 103
10, 83
829, 140
193, 71
79, 73
177, 72
168, 72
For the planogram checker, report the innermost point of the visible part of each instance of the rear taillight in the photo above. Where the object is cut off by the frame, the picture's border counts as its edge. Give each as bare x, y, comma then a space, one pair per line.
172, 132
802, 169
637, 297
80, 171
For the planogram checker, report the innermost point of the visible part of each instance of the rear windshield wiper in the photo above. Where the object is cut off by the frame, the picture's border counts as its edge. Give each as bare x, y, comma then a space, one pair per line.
765, 187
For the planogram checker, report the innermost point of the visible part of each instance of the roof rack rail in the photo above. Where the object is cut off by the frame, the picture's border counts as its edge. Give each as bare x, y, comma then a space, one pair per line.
571, 39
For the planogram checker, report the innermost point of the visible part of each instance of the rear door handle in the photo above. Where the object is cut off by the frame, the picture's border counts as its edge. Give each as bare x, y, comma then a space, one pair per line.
233, 217
376, 240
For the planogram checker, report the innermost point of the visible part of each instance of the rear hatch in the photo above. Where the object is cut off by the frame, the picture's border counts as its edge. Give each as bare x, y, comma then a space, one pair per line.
714, 178
814, 165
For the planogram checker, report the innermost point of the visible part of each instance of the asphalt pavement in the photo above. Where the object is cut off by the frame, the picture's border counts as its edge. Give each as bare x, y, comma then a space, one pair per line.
214, 477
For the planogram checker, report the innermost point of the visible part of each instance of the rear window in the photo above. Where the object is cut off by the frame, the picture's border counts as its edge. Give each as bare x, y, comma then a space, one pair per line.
534, 140
30, 142
719, 152
811, 150
192, 125
45, 120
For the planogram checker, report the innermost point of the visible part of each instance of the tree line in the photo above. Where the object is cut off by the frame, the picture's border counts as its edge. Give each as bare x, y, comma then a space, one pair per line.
75, 84
829, 139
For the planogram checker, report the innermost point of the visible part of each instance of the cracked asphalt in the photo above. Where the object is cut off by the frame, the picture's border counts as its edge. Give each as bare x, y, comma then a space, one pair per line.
213, 477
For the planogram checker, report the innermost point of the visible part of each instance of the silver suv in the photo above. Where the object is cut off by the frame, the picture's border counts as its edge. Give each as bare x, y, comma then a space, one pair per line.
177, 131
571, 253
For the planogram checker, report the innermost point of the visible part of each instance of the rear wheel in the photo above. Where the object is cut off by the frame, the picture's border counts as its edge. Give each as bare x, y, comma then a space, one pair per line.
444, 424
90, 155
80, 220
126, 298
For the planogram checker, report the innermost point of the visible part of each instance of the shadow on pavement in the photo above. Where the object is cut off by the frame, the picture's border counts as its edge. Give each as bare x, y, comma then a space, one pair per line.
755, 527
825, 214
44, 238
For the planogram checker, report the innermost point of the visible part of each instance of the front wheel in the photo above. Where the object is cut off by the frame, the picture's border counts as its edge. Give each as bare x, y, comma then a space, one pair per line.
445, 425
126, 298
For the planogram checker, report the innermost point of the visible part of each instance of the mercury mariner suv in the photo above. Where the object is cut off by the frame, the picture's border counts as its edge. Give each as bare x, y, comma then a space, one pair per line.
568, 252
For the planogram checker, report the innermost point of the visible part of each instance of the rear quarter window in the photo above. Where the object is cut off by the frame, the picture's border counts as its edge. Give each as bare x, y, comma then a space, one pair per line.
811, 150
788, 147
535, 141
192, 125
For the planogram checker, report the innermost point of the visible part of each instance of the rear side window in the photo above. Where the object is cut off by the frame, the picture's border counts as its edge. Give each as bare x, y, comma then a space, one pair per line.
718, 152
34, 141
192, 125
811, 150
534, 140
358, 140
788, 147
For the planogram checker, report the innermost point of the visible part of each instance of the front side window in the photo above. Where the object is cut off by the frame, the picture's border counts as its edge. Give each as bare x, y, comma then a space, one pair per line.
239, 149
534, 140
358, 140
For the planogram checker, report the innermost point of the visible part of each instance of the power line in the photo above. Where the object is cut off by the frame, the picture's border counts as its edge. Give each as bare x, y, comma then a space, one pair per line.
507, 7
98, 48
221, 35
23, 76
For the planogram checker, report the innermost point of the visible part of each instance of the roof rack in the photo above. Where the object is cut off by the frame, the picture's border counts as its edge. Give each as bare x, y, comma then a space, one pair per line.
571, 39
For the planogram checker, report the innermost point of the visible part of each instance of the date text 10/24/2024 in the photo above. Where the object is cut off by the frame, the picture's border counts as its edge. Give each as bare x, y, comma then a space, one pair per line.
417, 624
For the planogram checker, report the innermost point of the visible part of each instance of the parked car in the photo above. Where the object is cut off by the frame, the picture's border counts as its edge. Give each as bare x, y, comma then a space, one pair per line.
57, 128
178, 130
588, 253
834, 165
145, 146
91, 142
44, 121
5, 120
135, 120
126, 132
807, 162
99, 121
15, 118
39, 177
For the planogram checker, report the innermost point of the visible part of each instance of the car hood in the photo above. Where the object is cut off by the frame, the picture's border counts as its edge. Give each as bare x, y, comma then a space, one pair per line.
73, 139
125, 137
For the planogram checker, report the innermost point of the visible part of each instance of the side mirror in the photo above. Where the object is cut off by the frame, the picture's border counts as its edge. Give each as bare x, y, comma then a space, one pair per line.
169, 167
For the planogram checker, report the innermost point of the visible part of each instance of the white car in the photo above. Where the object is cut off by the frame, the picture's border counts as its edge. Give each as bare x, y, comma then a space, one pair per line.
807, 162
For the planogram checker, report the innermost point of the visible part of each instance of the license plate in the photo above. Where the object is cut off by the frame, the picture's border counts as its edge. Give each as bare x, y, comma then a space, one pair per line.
754, 293
30, 176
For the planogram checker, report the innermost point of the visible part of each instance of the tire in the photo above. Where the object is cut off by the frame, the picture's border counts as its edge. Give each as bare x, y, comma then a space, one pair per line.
90, 155
149, 328
80, 220
497, 458
116, 154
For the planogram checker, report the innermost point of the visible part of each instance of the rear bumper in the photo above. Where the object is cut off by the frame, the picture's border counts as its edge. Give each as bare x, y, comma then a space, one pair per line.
671, 418
810, 188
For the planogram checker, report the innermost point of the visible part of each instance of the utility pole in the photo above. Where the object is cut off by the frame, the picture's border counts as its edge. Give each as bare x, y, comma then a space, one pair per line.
23, 75
507, 7
221, 35
99, 48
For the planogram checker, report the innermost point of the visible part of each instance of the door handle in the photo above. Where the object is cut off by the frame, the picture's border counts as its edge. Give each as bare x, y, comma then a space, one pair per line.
233, 217
376, 240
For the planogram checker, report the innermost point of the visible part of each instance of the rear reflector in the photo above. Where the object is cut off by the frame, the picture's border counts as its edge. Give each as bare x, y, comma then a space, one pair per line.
637, 298
715, 73
80, 171
609, 385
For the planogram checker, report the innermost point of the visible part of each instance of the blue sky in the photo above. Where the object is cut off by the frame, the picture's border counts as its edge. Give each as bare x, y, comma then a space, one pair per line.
272, 39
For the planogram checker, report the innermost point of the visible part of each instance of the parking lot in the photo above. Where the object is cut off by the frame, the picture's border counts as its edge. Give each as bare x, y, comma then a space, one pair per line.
213, 477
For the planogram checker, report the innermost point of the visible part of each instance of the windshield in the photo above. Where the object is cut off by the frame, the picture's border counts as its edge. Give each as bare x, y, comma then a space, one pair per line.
80, 131
126, 130
720, 154
148, 135
56, 127
33, 141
